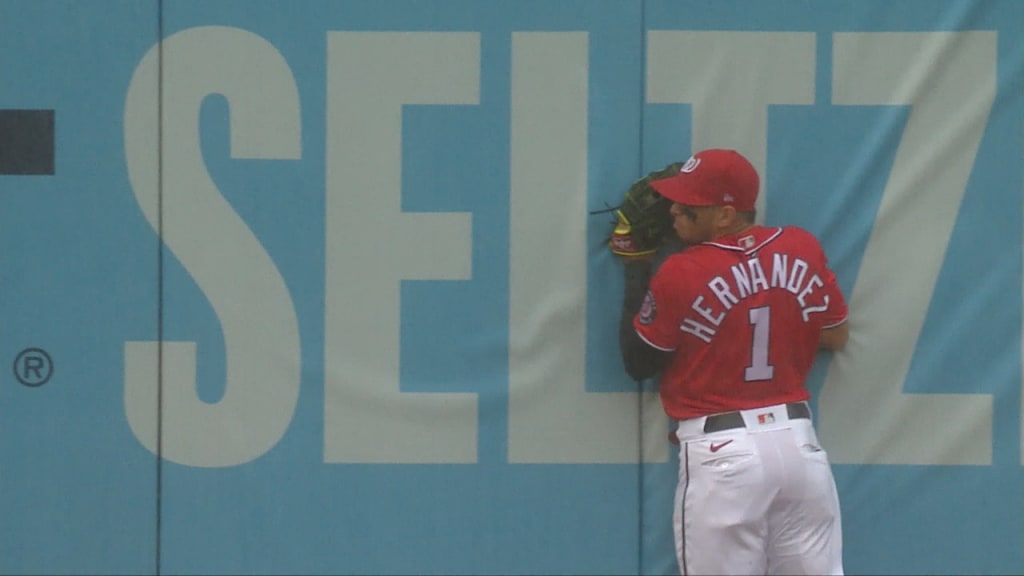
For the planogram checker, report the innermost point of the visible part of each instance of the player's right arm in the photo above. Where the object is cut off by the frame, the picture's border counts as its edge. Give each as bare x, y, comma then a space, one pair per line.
834, 338
836, 330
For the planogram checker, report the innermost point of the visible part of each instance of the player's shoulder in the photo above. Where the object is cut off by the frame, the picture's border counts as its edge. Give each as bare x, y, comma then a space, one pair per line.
688, 259
794, 231
797, 235
799, 241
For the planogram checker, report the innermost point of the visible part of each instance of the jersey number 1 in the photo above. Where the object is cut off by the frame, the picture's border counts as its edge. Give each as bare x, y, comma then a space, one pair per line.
759, 368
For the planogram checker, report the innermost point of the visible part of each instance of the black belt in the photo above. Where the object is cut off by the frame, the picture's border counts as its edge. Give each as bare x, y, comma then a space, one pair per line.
730, 420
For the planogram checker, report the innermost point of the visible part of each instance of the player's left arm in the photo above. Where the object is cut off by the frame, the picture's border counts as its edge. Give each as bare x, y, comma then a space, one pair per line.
640, 359
642, 231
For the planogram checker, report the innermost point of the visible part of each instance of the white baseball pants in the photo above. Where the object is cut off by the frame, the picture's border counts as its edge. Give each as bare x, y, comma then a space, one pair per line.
758, 498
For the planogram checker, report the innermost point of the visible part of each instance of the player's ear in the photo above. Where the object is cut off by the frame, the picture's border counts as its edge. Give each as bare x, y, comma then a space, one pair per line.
726, 216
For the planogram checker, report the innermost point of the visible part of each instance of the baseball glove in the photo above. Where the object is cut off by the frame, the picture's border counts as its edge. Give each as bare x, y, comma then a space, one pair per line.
643, 223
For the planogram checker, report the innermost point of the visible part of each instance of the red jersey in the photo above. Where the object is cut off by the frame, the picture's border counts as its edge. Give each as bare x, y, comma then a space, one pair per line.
743, 315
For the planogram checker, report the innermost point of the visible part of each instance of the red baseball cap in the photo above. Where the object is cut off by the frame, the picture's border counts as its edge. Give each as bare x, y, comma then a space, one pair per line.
714, 177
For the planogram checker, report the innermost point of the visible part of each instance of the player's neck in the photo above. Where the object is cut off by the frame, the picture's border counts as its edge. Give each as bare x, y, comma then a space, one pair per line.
737, 228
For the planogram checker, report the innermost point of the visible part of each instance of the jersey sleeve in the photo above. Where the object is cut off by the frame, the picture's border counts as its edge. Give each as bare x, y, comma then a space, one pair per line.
657, 322
837, 311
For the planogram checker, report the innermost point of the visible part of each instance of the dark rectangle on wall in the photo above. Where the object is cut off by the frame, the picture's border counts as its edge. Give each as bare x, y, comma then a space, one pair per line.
26, 141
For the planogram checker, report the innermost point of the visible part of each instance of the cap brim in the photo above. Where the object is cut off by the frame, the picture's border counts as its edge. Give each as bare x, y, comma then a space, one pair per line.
677, 190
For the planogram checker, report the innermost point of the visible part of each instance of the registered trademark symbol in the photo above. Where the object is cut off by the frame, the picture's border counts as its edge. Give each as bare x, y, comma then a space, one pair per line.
33, 367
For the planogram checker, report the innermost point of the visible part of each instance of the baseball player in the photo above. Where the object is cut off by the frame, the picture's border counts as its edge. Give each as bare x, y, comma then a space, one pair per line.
732, 324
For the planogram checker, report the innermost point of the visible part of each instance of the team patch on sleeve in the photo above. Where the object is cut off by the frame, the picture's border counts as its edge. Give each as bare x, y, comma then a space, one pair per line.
648, 309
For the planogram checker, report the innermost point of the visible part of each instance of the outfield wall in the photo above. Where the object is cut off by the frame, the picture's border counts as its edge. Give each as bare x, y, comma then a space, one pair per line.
311, 287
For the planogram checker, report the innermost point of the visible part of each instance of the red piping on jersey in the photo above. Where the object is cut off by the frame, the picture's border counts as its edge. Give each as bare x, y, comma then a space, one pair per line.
652, 344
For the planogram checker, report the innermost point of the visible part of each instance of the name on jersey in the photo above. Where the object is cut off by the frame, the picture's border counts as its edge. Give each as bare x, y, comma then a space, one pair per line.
746, 279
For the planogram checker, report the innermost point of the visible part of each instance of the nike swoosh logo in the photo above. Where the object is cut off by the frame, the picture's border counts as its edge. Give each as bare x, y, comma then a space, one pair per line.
720, 445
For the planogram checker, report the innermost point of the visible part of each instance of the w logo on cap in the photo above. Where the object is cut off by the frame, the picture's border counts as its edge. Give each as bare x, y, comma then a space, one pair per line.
724, 178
